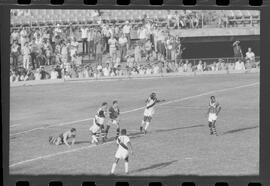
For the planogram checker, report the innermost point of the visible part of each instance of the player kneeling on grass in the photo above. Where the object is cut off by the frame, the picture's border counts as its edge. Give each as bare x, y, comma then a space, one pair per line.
149, 111
114, 113
97, 129
63, 138
122, 152
213, 111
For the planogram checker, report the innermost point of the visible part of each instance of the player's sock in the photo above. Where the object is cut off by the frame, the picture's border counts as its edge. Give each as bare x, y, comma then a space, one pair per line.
210, 127
141, 127
126, 167
214, 129
50, 139
117, 132
146, 125
113, 168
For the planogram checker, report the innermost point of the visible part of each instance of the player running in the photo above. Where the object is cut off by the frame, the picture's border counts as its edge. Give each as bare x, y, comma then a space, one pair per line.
63, 138
98, 124
114, 113
122, 152
149, 111
213, 111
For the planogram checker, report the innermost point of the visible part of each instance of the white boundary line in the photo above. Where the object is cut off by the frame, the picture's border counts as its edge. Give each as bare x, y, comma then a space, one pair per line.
133, 110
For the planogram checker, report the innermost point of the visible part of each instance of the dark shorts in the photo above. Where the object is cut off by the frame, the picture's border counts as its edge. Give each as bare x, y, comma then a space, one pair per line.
147, 118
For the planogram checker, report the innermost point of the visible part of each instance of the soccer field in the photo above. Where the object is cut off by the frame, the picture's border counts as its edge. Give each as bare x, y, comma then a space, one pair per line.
178, 141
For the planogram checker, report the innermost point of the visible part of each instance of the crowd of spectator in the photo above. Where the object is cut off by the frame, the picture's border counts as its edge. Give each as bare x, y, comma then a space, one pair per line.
131, 68
112, 50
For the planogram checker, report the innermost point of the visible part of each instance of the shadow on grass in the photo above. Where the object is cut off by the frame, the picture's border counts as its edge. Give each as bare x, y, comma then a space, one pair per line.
155, 166
240, 130
134, 135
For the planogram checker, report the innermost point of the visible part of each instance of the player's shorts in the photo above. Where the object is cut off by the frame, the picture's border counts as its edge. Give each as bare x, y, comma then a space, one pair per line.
212, 117
94, 129
147, 118
121, 154
149, 112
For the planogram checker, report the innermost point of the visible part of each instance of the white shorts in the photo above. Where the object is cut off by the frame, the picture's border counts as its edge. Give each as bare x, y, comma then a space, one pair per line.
94, 128
212, 117
121, 154
149, 112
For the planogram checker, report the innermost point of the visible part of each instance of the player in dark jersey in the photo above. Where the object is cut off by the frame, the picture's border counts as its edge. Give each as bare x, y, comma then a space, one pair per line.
63, 138
114, 119
213, 111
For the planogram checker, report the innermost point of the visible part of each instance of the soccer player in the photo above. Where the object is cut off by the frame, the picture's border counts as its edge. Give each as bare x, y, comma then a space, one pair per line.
122, 152
213, 111
114, 113
64, 137
98, 123
149, 111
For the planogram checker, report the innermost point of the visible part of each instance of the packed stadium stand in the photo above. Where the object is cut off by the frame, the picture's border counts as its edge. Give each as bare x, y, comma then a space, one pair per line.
53, 16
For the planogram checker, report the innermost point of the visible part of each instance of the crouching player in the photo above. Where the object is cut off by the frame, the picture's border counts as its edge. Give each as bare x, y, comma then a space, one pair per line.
63, 138
213, 111
97, 129
149, 111
122, 152
114, 119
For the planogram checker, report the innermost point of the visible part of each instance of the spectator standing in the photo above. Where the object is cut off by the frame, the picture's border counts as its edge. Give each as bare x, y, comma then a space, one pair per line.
84, 33
112, 47
237, 50
15, 53
126, 31
200, 67
250, 55
123, 42
90, 40
34, 53
137, 53
26, 55
99, 52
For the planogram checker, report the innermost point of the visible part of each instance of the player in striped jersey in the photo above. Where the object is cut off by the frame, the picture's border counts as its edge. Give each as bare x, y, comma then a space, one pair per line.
114, 119
213, 111
124, 146
149, 111
97, 129
63, 138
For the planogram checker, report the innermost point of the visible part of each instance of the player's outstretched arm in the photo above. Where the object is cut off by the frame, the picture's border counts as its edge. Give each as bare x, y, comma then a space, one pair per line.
130, 147
219, 109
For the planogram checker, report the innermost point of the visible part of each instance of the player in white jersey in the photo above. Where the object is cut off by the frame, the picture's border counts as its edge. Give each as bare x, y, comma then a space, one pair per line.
63, 138
149, 111
213, 111
98, 124
124, 146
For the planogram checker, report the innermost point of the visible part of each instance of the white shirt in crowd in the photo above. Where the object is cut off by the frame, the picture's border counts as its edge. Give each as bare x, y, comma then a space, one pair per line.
84, 33
239, 65
126, 29
106, 72
112, 42
122, 40
250, 55
199, 67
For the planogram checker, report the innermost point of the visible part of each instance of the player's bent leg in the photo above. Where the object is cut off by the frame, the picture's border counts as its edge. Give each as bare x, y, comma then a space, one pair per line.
107, 130
58, 141
117, 131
